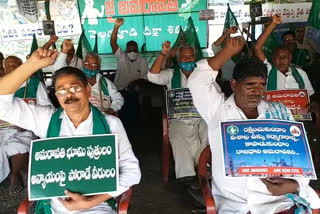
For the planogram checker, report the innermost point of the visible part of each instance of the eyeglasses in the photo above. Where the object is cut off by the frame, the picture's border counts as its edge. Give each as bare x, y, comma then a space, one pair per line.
72, 89
91, 64
289, 39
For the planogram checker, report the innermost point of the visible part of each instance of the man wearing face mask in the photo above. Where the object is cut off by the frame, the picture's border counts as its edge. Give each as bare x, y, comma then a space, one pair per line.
187, 137
281, 73
131, 66
102, 89
104, 94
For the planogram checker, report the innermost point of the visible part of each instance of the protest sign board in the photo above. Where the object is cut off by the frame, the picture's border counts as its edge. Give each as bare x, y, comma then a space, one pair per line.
206, 14
295, 12
296, 100
84, 164
48, 27
264, 148
180, 104
255, 9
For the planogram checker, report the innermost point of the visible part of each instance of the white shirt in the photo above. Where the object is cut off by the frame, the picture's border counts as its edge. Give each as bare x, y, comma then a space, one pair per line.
116, 98
61, 62
227, 68
165, 77
42, 95
37, 118
237, 195
128, 71
288, 82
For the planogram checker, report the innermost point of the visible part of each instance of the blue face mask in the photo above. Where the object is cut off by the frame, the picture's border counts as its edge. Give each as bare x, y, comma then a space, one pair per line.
89, 73
187, 66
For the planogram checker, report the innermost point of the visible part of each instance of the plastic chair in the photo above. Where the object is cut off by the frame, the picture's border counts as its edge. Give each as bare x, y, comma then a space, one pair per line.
166, 148
123, 204
205, 158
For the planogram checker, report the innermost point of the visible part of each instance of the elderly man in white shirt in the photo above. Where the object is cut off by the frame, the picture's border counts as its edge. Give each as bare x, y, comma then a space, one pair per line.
73, 92
15, 142
104, 94
281, 74
131, 66
241, 195
187, 137
67, 56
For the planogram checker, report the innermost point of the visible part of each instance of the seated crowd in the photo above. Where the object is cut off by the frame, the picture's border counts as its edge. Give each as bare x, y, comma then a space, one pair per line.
84, 94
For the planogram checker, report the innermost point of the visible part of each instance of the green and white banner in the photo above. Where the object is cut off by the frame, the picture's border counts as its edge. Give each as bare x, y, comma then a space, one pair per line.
84, 164
148, 22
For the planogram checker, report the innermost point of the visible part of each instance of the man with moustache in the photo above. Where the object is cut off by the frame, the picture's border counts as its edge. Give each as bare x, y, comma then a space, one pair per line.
244, 195
104, 94
75, 117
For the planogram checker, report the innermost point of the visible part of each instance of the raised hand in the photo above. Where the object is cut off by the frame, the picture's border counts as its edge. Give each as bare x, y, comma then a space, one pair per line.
53, 38
232, 30
119, 22
166, 47
43, 57
276, 19
67, 46
234, 45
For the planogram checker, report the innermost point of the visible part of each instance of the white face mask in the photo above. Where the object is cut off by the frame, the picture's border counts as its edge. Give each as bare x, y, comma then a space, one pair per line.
132, 56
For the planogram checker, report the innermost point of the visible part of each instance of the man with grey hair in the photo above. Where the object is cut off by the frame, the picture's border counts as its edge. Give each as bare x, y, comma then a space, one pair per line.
187, 137
104, 94
102, 89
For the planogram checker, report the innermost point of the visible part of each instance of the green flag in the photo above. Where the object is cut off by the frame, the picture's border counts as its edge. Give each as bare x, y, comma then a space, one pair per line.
269, 46
82, 44
95, 48
192, 39
230, 20
79, 53
34, 47
313, 28
47, 9
314, 18
181, 36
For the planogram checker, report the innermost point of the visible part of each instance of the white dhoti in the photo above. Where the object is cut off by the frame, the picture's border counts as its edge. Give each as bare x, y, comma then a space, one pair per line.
188, 138
12, 142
